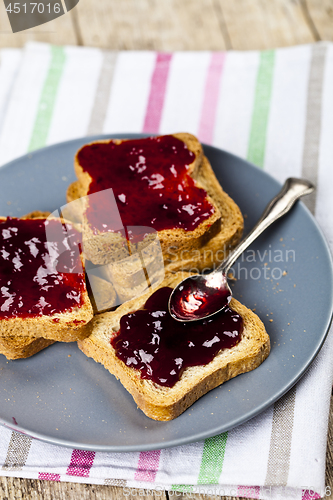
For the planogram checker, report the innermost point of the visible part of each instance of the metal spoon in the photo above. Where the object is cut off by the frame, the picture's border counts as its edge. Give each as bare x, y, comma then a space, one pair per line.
201, 296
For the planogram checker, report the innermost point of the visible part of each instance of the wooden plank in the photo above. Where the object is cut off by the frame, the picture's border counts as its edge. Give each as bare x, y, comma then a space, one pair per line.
329, 456
60, 31
258, 24
321, 15
32, 489
150, 24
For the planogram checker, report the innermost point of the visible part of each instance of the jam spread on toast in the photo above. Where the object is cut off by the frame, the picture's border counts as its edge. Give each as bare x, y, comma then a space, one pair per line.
40, 268
150, 182
151, 341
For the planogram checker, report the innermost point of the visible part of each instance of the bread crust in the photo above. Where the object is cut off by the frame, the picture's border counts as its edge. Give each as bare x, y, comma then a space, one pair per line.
161, 403
22, 347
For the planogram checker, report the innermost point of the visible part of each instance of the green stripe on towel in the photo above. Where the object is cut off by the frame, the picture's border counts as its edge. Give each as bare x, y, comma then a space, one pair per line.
262, 98
212, 459
47, 99
182, 488
211, 463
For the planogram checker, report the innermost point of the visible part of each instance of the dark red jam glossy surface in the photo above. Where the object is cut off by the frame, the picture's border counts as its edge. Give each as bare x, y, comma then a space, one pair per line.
40, 268
151, 341
198, 297
150, 182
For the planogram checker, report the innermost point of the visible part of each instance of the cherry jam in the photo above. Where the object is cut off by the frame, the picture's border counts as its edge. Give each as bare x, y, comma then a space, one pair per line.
151, 341
40, 268
200, 296
150, 182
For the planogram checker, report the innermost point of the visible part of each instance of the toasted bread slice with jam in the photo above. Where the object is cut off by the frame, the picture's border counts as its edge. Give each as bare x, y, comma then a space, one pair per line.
202, 240
182, 204
156, 400
43, 292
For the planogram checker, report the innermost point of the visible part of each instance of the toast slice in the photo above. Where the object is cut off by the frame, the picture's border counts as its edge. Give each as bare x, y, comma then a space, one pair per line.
182, 233
22, 347
127, 264
203, 255
166, 403
43, 292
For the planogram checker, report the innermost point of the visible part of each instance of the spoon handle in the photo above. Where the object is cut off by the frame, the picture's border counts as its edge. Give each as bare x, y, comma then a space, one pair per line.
281, 204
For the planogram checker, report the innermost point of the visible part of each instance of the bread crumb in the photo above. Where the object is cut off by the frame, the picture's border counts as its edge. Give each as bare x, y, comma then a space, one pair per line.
294, 285
69, 355
271, 320
284, 273
281, 239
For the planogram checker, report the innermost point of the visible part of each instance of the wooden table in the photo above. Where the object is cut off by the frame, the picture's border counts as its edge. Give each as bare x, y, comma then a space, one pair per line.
170, 25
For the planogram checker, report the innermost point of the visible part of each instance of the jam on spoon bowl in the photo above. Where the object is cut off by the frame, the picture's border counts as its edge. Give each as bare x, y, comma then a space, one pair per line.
201, 296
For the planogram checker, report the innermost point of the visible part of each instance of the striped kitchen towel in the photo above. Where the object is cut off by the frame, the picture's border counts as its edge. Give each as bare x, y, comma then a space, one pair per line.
274, 108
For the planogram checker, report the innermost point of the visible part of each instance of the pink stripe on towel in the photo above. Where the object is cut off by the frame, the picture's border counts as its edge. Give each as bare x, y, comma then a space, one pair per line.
81, 463
248, 491
48, 476
147, 465
310, 495
157, 93
211, 95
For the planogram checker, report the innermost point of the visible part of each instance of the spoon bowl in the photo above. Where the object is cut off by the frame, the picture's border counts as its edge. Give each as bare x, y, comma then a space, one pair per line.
200, 296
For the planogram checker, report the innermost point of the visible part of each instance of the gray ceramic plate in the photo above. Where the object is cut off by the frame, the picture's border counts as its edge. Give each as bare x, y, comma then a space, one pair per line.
63, 397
